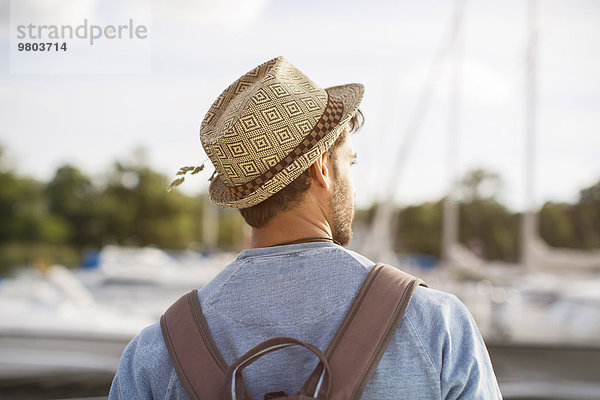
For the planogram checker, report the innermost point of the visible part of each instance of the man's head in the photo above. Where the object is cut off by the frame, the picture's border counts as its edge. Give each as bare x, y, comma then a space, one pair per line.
341, 155
265, 134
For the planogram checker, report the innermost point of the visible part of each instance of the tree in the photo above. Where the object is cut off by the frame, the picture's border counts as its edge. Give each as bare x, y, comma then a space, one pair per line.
25, 222
71, 196
573, 225
135, 209
479, 184
419, 229
586, 214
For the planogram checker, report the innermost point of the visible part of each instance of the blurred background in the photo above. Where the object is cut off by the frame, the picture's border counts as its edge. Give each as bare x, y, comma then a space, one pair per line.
479, 171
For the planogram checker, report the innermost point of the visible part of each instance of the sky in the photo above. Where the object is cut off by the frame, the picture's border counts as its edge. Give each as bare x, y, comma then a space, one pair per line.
102, 103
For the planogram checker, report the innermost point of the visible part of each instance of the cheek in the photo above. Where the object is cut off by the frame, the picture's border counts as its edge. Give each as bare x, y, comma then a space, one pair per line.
351, 186
349, 190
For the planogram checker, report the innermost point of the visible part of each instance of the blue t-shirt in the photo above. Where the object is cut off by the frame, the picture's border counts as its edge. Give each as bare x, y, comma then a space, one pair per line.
304, 291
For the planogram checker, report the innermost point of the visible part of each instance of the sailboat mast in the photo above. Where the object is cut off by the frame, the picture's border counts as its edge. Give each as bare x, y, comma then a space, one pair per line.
529, 222
450, 225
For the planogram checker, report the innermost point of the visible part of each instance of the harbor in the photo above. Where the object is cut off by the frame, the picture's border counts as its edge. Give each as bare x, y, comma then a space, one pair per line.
62, 332
479, 170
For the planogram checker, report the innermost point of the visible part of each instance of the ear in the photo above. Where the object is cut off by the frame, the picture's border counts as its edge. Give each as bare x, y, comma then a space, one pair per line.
321, 171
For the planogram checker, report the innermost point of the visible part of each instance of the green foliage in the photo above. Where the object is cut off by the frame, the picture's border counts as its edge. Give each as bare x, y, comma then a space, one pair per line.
135, 209
573, 225
485, 226
490, 230
555, 225
24, 213
419, 229
15, 254
70, 196
57, 221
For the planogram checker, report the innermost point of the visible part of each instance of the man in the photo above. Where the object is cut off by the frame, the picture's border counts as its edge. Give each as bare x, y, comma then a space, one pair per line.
282, 151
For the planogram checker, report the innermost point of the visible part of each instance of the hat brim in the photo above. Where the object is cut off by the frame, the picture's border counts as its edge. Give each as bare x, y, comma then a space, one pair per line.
351, 96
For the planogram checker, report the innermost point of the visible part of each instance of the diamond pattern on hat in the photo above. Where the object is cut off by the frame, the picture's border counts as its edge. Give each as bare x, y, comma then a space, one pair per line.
250, 123
229, 170
261, 143
310, 104
218, 152
303, 126
263, 123
293, 108
237, 149
260, 97
270, 161
293, 73
283, 135
295, 89
279, 90
308, 86
249, 168
297, 159
272, 115
241, 86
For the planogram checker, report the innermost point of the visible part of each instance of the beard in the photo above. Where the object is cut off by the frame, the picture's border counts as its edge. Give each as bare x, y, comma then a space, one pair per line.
342, 211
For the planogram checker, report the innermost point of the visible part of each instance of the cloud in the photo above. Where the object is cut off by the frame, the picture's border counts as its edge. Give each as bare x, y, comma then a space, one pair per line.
233, 14
51, 11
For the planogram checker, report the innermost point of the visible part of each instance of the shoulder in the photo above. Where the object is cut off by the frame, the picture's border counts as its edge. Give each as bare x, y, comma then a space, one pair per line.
433, 317
453, 343
145, 369
148, 348
359, 258
441, 319
432, 308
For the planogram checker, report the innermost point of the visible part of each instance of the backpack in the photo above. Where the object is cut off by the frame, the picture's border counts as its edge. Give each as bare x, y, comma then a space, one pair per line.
344, 369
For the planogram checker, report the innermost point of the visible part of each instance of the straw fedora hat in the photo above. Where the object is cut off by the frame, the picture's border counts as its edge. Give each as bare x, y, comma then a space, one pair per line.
268, 127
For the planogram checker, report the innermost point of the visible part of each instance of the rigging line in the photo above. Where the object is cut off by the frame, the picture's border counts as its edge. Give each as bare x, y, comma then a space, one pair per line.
434, 72
531, 104
381, 237
529, 230
450, 221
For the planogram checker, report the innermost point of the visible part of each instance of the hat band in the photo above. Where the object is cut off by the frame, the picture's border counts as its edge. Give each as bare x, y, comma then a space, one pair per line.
329, 119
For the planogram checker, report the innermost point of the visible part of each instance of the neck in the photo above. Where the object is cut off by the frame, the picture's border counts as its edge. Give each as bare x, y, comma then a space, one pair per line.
297, 224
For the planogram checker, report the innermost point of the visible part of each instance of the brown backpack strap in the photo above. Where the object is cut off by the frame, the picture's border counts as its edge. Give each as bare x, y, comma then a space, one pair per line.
353, 354
194, 354
367, 329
